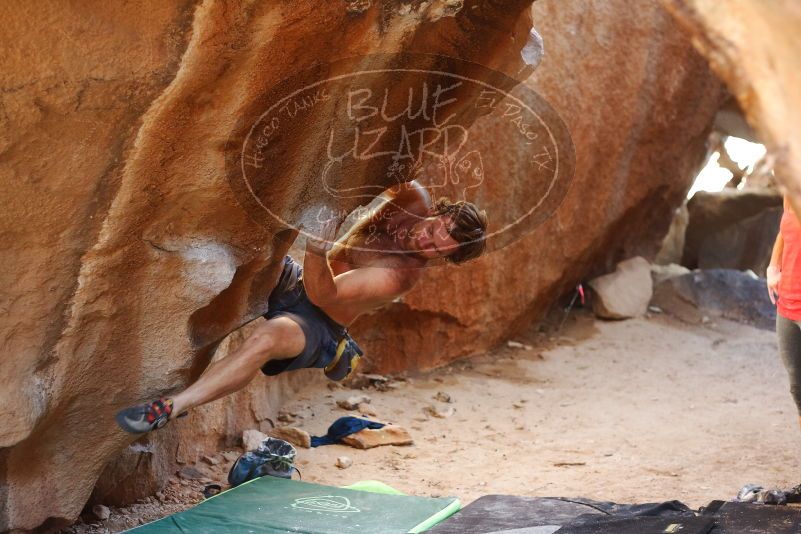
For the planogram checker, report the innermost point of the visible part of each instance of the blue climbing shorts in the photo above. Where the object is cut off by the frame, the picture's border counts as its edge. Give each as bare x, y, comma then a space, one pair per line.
328, 344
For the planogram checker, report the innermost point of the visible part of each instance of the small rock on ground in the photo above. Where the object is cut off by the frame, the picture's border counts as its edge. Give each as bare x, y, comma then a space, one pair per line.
190, 473
230, 455
101, 512
295, 436
252, 438
365, 409
352, 403
388, 435
440, 412
286, 417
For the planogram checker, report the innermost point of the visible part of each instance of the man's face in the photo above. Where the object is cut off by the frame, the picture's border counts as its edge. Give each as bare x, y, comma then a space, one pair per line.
432, 239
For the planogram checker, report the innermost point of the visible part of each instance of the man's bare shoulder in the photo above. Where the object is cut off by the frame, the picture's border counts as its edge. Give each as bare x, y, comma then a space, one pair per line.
374, 285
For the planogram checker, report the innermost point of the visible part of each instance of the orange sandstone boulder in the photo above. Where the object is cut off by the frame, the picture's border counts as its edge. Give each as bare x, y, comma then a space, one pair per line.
639, 102
127, 254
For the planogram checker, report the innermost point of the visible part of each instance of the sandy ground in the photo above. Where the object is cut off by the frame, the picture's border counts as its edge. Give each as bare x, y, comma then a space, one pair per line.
646, 409
641, 410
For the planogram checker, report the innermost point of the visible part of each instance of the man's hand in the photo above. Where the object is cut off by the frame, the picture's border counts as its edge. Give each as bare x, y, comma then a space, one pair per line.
317, 276
325, 239
774, 277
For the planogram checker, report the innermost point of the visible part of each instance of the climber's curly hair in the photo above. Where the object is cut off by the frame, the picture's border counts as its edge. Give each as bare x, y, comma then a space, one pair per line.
469, 228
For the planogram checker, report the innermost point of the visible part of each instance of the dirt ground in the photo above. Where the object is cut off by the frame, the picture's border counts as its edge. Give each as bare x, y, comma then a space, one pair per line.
640, 410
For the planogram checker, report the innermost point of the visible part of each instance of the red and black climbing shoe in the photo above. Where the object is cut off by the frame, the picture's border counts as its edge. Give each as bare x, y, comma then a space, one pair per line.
145, 417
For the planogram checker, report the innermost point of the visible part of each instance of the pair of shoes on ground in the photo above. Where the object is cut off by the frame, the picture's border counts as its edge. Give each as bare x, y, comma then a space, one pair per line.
146, 417
274, 457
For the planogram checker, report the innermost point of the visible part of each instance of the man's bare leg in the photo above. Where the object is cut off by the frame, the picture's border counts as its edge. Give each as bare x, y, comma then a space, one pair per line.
274, 340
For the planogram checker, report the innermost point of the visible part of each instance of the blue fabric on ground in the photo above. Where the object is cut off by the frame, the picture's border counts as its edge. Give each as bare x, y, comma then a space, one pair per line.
344, 426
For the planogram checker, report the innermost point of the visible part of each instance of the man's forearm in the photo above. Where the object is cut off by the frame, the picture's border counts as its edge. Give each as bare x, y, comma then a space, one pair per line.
318, 279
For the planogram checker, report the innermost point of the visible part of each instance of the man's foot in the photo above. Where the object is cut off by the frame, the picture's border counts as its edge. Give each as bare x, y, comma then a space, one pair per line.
145, 417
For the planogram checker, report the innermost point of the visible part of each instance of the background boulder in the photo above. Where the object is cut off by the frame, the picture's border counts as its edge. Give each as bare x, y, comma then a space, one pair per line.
621, 79
757, 52
700, 295
732, 229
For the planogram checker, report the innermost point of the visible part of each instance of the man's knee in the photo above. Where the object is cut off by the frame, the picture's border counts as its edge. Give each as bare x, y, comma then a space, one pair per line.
261, 343
275, 339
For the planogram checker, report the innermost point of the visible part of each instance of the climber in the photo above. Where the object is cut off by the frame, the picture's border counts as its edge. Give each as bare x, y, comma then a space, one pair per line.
374, 263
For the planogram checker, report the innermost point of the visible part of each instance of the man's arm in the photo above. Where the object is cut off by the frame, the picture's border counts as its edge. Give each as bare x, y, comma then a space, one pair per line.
367, 284
373, 286
318, 280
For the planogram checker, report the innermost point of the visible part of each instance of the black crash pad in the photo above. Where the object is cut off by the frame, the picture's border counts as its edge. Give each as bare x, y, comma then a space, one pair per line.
495, 514
642, 525
747, 518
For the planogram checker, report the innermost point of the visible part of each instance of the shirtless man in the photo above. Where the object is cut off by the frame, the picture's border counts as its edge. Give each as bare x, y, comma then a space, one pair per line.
309, 309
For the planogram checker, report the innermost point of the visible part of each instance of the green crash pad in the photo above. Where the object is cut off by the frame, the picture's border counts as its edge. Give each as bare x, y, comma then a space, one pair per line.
272, 505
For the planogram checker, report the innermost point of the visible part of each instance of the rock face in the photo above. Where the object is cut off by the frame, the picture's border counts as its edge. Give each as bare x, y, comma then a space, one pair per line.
144, 466
660, 273
127, 256
732, 229
673, 245
621, 79
757, 52
624, 293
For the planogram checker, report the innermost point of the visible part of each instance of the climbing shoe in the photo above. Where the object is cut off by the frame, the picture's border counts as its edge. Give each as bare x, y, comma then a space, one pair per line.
274, 457
145, 417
